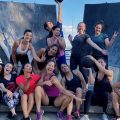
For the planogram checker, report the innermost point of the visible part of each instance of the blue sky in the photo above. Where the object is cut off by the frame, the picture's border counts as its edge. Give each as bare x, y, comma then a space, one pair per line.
73, 11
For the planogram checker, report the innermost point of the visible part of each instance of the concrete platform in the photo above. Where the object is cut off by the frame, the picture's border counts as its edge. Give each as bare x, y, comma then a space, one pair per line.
51, 109
52, 116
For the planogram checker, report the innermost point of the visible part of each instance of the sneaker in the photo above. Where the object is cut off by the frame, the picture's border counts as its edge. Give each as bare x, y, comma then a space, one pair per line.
14, 117
85, 117
39, 115
26, 118
69, 117
76, 114
104, 117
9, 115
60, 115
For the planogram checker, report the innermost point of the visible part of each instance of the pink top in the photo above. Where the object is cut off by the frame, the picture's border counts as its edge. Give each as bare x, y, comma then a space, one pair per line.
51, 91
55, 41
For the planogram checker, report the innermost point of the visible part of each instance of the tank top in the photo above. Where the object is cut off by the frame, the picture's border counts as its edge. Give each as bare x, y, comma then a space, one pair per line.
20, 51
103, 85
51, 91
73, 84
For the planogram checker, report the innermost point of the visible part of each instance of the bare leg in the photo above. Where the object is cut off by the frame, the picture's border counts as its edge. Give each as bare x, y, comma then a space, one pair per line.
115, 101
24, 105
30, 103
78, 94
69, 108
40, 95
62, 101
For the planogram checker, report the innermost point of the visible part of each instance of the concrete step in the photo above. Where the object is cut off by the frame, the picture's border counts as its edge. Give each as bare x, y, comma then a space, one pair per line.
52, 109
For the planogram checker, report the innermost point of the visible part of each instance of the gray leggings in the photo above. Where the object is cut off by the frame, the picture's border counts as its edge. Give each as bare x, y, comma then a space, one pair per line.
11, 103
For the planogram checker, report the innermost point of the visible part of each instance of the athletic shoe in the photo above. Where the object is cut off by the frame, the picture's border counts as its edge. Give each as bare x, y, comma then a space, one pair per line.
69, 117
104, 117
85, 117
26, 118
60, 115
76, 114
39, 115
14, 117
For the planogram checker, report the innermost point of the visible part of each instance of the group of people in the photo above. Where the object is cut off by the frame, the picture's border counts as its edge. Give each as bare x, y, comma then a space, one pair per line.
91, 84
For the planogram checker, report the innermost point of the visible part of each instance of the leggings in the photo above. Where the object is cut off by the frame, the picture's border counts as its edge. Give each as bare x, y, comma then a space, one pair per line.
95, 99
11, 103
77, 61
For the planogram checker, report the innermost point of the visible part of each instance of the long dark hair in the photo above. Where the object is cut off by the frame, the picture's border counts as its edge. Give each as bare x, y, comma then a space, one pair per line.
54, 45
54, 27
101, 22
2, 71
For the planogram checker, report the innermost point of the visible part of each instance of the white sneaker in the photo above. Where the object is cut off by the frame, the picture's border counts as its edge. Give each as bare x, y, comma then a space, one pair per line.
118, 118
104, 117
85, 117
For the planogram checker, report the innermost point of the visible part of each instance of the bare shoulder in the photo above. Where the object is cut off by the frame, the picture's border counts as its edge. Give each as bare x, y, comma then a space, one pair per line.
76, 72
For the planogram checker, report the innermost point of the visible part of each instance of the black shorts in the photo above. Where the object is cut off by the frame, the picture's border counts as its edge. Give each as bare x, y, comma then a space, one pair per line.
51, 100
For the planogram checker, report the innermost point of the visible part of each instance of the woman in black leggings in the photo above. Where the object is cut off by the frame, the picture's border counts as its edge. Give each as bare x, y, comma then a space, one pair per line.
102, 88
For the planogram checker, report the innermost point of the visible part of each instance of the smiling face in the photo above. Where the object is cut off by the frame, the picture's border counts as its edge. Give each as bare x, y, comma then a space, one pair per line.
64, 68
8, 68
50, 67
102, 62
53, 51
98, 29
56, 32
27, 68
28, 36
81, 28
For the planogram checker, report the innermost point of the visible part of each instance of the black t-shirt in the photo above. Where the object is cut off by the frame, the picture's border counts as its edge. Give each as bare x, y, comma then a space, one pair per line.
80, 47
10, 84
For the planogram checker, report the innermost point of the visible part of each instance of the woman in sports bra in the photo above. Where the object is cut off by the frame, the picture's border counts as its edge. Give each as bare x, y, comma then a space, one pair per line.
74, 82
20, 49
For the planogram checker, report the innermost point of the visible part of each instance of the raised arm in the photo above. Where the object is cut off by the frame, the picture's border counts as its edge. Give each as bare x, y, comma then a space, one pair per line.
92, 44
14, 47
109, 43
34, 53
40, 54
70, 38
109, 73
59, 12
